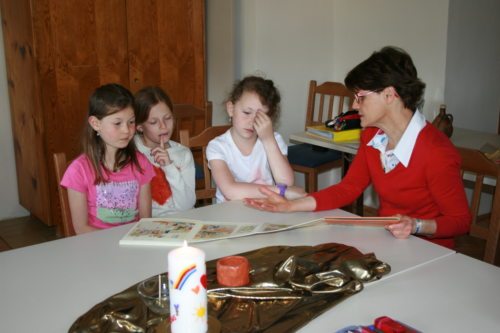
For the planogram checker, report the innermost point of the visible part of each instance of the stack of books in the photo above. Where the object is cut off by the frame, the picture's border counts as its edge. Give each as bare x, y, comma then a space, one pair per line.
323, 132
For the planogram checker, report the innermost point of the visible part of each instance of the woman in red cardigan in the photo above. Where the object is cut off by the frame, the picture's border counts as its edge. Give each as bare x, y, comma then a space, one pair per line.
413, 167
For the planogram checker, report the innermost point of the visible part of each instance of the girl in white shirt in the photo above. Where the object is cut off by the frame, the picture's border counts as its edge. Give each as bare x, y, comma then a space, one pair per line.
250, 154
173, 186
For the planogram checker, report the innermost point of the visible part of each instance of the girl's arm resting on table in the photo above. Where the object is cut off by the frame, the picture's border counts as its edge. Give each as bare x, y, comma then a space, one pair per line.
145, 208
234, 190
79, 211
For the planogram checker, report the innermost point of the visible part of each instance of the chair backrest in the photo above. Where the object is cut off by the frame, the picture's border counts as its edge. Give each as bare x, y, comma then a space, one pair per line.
60, 164
334, 98
191, 118
201, 141
475, 162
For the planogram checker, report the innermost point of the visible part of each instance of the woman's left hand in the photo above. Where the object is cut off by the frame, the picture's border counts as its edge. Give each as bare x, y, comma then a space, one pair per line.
402, 229
263, 126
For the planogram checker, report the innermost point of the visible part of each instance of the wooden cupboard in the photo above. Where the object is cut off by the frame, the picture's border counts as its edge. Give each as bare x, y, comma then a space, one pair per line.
58, 51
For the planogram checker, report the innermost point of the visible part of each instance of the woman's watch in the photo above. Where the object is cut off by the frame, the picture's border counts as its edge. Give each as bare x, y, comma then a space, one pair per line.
282, 187
418, 226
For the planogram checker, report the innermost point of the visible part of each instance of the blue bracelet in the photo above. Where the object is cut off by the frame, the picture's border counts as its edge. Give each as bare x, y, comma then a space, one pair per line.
282, 188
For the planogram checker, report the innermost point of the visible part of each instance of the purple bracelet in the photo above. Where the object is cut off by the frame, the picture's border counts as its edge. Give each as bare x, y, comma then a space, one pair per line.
282, 188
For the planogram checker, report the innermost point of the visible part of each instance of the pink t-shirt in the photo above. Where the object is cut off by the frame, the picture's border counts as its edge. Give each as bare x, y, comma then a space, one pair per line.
114, 202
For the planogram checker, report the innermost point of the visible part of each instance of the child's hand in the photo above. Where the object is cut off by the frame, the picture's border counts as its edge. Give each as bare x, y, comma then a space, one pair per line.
263, 126
160, 154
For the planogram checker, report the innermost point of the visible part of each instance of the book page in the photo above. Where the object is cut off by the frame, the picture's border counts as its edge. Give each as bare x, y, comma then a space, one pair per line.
167, 232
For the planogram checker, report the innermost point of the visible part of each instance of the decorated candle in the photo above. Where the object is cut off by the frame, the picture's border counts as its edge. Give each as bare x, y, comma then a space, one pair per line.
188, 290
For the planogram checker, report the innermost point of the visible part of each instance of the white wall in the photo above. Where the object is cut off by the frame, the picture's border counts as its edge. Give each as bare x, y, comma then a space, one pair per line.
294, 41
472, 91
221, 54
9, 201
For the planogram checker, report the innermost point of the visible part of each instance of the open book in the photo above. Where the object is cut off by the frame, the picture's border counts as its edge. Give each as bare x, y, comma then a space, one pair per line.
173, 231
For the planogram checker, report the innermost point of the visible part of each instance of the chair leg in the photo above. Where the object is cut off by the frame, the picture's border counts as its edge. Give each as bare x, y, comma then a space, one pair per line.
311, 182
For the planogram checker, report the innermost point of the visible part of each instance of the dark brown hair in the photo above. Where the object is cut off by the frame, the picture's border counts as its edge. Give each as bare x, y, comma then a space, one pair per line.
146, 98
267, 91
389, 67
104, 101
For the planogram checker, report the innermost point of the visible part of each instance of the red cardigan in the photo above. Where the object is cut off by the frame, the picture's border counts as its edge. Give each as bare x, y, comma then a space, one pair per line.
430, 187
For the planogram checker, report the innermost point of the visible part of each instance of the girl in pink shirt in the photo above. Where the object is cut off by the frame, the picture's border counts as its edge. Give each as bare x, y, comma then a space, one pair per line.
108, 185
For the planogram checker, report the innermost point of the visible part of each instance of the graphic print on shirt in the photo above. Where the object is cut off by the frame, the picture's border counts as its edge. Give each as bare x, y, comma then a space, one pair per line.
160, 188
116, 202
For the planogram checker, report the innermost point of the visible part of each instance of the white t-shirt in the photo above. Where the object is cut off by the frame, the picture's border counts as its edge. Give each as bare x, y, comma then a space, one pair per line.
253, 168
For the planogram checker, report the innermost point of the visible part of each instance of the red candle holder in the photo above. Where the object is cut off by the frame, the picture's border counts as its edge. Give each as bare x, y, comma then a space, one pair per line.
233, 271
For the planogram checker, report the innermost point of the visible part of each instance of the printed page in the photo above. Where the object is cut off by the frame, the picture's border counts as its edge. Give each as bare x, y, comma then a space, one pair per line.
174, 231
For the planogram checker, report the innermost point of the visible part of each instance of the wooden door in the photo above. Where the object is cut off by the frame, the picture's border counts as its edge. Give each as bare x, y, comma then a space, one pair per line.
167, 48
58, 52
25, 108
83, 46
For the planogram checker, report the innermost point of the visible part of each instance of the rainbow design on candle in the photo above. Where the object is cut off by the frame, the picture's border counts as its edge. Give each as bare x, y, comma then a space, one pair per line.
184, 276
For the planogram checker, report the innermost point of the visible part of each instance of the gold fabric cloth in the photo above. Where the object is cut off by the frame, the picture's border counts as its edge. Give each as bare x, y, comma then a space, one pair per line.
290, 285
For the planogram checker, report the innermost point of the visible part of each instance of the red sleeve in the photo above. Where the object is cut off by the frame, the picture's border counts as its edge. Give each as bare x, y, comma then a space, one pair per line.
352, 185
447, 189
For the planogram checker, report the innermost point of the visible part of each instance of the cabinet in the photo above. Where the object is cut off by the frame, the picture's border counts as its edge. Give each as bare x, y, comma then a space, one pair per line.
59, 51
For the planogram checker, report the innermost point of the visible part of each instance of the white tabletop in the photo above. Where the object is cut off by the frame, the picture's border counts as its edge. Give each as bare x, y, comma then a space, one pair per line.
452, 294
46, 287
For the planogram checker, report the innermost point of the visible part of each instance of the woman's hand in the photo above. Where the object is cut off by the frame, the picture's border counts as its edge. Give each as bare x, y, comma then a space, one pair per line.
272, 203
402, 229
263, 126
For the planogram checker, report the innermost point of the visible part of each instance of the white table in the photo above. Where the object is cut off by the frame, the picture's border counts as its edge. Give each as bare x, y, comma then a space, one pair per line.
452, 294
46, 287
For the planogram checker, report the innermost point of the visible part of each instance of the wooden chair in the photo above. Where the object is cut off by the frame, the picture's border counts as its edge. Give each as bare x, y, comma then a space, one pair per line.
60, 167
475, 162
195, 120
200, 141
191, 118
334, 98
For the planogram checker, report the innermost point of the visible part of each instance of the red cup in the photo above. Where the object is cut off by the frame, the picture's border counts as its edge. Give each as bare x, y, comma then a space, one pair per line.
233, 271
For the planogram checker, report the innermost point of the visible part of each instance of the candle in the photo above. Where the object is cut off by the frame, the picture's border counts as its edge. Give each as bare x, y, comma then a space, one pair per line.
188, 290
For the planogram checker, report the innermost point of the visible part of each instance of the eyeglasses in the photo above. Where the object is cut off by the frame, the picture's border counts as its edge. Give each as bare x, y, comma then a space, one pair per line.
359, 97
